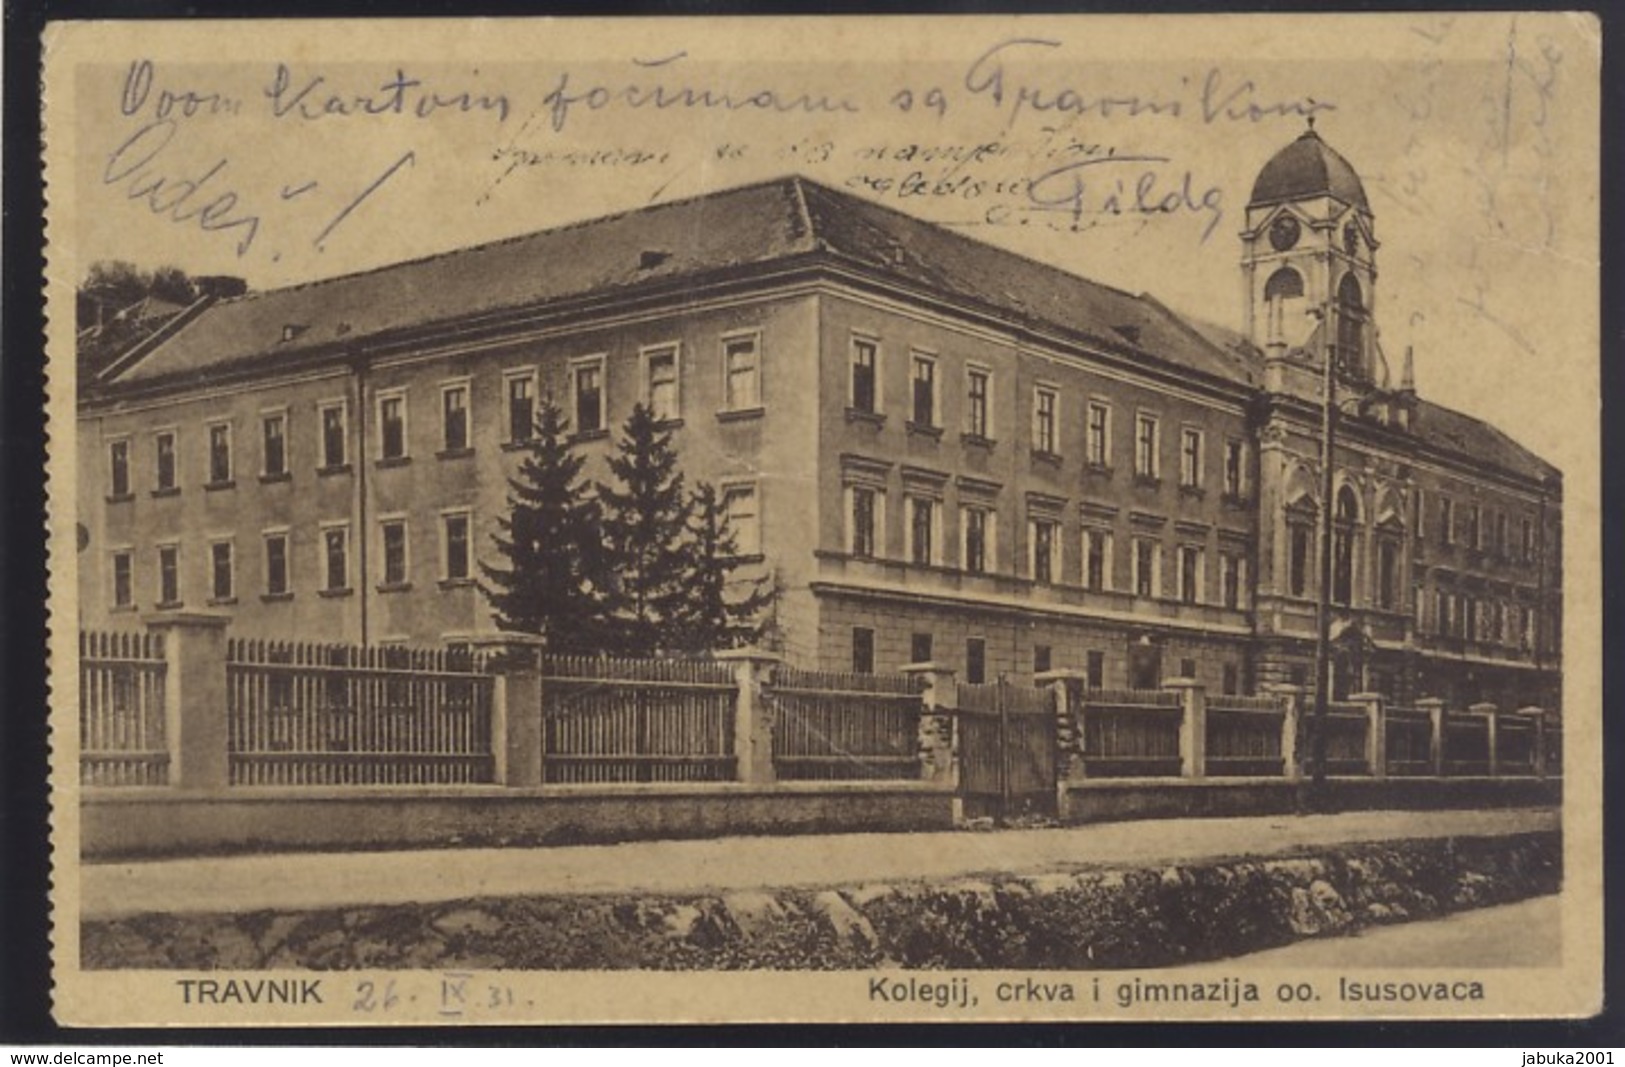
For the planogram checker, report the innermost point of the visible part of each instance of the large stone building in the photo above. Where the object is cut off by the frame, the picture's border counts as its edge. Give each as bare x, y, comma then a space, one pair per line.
944, 450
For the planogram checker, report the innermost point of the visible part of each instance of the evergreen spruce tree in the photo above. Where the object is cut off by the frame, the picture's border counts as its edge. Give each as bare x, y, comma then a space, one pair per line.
645, 526
715, 616
553, 584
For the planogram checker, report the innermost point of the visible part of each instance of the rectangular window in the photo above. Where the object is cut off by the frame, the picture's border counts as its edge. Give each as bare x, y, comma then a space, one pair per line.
118, 460
1043, 542
169, 576
1501, 540
1230, 579
587, 383
276, 564
919, 648
977, 556
1418, 515
1097, 554
978, 402
922, 530
221, 583
274, 445
1041, 659
865, 520
1387, 575
1234, 462
454, 418
1145, 446
1528, 553
1475, 528
1190, 458
336, 559
1187, 668
660, 384
1232, 680
334, 435
1190, 574
744, 523
1447, 521
392, 426
454, 528
1298, 560
741, 364
865, 375
863, 650
521, 406
1045, 403
924, 411
166, 475
123, 583
1526, 630
1145, 567
392, 537
976, 661
1099, 434
1095, 668
219, 453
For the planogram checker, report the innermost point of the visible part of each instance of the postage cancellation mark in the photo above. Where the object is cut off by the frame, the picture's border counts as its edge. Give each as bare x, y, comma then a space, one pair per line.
824, 519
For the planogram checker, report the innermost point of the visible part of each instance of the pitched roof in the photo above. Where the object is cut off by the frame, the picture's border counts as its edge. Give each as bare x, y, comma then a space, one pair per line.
753, 225
1465, 435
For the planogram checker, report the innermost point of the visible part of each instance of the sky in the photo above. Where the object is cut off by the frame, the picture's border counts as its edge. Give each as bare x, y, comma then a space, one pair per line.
288, 154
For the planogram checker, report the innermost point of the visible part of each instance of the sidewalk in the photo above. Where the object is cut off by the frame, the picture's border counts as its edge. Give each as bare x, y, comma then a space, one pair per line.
302, 881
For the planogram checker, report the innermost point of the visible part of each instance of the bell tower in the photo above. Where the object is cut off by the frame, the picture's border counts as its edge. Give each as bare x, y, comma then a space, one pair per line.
1309, 270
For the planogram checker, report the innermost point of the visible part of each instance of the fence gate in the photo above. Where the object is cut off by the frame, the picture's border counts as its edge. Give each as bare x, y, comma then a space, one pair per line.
1007, 750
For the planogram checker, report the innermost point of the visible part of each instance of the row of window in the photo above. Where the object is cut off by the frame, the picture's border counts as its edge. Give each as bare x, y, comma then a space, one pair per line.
333, 563
1301, 556
587, 408
456, 555
1473, 618
978, 549
925, 413
1472, 527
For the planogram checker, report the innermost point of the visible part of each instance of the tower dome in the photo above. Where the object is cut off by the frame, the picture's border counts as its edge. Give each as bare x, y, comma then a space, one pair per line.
1305, 169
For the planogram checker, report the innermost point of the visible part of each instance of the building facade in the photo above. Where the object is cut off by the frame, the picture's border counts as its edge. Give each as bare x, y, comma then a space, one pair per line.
941, 450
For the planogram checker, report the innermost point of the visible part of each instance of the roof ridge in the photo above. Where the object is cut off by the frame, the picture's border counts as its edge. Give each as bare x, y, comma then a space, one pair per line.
511, 239
964, 238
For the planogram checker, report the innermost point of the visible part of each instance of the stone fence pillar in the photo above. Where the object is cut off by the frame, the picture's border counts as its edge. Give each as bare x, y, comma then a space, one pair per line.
1537, 739
939, 726
1376, 732
1291, 698
1489, 712
753, 726
1192, 726
515, 662
197, 719
1434, 707
1067, 690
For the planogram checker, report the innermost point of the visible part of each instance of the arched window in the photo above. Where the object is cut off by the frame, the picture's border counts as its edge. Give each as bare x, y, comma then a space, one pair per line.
1350, 327
1284, 285
1348, 511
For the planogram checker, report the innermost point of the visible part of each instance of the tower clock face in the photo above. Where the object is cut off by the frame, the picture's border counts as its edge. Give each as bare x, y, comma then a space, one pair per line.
1284, 233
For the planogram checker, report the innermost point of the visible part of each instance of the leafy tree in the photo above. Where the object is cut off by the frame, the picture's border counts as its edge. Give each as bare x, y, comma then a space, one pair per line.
554, 584
645, 522
712, 618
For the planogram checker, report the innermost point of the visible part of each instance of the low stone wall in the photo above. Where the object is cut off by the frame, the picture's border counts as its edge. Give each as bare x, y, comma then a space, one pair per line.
124, 823
1119, 799
1082, 919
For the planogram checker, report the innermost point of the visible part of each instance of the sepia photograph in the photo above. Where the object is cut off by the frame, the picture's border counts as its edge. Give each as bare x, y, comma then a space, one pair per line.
841, 519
